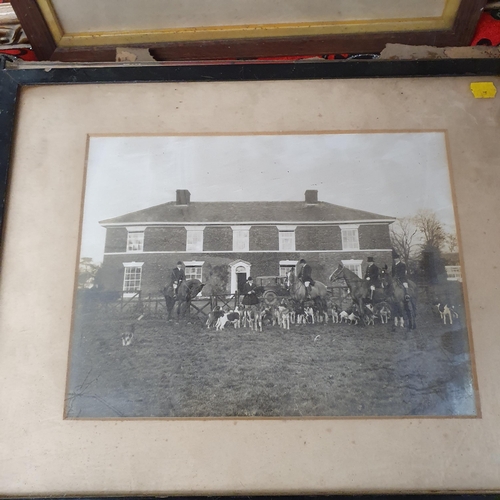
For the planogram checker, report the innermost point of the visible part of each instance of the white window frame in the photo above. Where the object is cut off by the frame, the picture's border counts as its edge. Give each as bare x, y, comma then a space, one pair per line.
130, 265
194, 264
195, 245
453, 273
346, 245
354, 262
238, 232
288, 264
132, 232
286, 231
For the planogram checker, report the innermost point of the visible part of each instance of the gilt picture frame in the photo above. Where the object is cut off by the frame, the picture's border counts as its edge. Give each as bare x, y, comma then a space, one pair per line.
222, 29
44, 151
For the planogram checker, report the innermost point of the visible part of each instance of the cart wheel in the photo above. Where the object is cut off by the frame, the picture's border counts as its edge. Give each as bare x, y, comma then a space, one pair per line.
270, 298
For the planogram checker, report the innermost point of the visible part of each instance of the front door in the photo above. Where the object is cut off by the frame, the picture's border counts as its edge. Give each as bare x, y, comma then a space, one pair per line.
241, 278
239, 271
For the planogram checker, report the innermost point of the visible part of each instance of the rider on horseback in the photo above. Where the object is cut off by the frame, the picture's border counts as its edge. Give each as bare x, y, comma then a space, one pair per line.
178, 276
372, 276
399, 272
304, 275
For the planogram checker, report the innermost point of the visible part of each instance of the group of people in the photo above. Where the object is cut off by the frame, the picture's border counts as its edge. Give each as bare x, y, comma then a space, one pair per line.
399, 272
372, 273
304, 273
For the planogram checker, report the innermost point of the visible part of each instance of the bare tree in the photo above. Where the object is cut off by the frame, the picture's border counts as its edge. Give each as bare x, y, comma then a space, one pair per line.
405, 238
432, 230
451, 241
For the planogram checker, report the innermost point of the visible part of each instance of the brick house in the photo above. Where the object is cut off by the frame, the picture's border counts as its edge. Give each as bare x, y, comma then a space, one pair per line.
222, 243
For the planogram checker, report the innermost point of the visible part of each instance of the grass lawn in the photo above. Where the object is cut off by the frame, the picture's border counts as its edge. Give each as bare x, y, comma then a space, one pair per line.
184, 370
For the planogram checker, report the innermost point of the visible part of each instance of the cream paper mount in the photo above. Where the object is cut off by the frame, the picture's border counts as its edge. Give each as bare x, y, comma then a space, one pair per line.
85, 395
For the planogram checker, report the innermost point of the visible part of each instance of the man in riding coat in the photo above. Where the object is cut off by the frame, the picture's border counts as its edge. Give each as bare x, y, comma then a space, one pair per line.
304, 275
372, 275
178, 276
399, 272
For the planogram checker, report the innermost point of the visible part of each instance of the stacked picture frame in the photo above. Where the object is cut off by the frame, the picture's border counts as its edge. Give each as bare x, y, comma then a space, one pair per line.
50, 121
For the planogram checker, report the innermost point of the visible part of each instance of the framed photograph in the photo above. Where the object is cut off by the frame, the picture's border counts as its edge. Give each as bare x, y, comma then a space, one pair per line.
188, 29
276, 278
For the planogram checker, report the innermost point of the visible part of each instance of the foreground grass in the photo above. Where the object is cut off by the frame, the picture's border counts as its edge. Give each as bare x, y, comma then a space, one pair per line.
184, 370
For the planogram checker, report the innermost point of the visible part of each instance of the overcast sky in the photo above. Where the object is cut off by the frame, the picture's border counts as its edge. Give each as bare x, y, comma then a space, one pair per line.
392, 174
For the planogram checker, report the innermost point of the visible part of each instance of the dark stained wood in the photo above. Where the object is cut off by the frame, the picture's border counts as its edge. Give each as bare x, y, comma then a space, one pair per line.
35, 27
85, 54
460, 34
466, 20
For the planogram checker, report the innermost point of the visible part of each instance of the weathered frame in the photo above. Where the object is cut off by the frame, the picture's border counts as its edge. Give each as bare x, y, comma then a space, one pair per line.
48, 47
12, 81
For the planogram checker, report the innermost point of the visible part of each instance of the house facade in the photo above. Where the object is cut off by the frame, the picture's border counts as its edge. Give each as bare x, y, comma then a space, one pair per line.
222, 243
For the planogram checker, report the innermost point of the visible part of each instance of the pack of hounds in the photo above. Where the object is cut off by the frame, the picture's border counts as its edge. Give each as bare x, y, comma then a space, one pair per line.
289, 312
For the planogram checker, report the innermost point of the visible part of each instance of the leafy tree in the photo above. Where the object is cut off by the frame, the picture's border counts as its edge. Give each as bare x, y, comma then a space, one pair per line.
432, 265
87, 272
218, 279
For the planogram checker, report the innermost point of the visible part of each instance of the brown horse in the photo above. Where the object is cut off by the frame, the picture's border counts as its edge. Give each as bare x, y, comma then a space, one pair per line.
182, 300
298, 293
298, 289
403, 300
358, 288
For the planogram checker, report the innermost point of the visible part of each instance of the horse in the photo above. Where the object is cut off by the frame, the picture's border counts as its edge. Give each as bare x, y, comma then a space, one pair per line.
298, 293
358, 288
185, 292
403, 300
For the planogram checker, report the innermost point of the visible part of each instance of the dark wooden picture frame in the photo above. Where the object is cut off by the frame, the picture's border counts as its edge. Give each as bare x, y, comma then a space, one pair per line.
14, 80
47, 48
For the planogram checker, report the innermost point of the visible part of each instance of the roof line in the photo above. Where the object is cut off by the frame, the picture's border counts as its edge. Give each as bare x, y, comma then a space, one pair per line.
251, 223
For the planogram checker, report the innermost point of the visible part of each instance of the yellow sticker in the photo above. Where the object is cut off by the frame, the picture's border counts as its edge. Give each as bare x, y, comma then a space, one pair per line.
483, 90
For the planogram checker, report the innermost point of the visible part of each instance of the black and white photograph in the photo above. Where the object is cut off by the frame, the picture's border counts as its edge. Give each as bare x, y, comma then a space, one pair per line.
270, 275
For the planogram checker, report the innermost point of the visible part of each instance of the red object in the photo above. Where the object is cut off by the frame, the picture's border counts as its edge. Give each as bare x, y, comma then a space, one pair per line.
487, 31
24, 54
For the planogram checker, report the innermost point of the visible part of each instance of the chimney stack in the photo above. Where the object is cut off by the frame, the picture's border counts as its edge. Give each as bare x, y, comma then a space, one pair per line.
312, 197
183, 197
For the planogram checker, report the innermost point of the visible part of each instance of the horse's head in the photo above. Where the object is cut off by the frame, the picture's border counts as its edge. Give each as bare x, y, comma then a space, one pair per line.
385, 277
194, 287
337, 272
